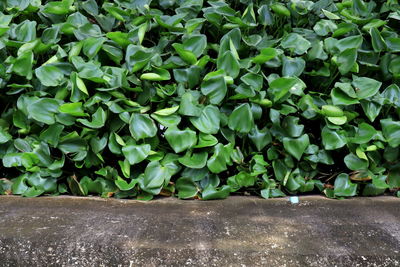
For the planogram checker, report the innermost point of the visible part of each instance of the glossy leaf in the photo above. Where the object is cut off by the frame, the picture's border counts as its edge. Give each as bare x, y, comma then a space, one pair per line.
209, 120
215, 89
296, 146
142, 126
344, 187
180, 140
241, 119
136, 153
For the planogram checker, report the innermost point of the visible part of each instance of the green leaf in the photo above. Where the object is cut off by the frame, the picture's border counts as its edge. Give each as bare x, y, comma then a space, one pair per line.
243, 179
208, 121
255, 81
213, 193
355, 163
58, 7
241, 119
341, 98
188, 56
4, 136
125, 168
157, 75
364, 134
265, 15
92, 46
136, 153
18, 185
292, 126
136, 58
296, 146
366, 87
195, 160
332, 139
154, 177
186, 188
74, 109
331, 111
142, 126
338, 120
293, 66
324, 27
229, 64
296, 43
260, 138
98, 119
23, 65
349, 42
189, 106
167, 121
278, 88
280, 10
215, 89
196, 44
121, 38
206, 140
123, 185
26, 31
371, 109
344, 187
346, 59
378, 43
391, 131
266, 54
190, 76
167, 111
43, 110
49, 75
180, 140
219, 160
52, 134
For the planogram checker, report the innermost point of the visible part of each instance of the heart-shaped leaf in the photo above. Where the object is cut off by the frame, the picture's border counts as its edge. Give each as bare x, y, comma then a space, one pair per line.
296, 146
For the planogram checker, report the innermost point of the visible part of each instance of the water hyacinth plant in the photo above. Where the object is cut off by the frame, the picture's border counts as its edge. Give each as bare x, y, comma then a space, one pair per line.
199, 99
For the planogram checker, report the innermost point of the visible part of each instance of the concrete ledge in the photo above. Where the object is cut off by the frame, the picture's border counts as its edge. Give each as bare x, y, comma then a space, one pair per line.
238, 231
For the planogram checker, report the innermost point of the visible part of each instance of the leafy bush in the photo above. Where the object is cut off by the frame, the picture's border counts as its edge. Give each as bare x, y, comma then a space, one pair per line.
137, 98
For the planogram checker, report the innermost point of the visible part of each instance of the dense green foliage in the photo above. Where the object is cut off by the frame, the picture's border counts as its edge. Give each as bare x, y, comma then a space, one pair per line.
199, 99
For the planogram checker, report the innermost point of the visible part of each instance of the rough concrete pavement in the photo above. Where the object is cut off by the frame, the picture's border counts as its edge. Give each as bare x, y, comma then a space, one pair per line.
238, 231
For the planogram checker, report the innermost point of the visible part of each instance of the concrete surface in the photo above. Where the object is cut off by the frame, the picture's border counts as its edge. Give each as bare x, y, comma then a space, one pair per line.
239, 231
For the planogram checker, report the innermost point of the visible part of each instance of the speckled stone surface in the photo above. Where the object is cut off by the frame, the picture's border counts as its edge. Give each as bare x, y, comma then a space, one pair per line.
238, 231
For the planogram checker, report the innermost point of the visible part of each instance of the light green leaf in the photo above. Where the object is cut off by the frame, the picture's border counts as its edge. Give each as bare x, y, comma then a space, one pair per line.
266, 54
278, 88
98, 119
74, 109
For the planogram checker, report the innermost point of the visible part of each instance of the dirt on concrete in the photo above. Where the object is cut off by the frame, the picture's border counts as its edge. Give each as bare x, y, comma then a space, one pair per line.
238, 231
